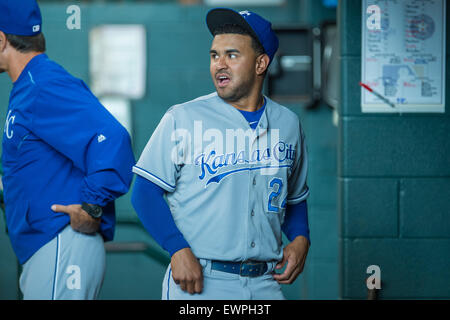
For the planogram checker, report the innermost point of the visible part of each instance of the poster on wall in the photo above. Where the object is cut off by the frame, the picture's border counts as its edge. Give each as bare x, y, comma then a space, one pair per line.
403, 56
118, 60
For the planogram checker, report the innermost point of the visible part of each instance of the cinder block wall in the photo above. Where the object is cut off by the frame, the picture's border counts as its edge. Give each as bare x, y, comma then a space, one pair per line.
393, 187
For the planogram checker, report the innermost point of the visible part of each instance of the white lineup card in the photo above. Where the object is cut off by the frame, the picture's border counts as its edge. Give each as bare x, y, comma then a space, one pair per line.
403, 55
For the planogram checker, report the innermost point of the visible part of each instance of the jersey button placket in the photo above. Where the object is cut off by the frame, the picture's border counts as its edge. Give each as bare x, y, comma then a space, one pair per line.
253, 244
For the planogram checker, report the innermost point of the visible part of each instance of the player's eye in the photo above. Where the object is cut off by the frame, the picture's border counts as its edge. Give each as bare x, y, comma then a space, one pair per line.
232, 56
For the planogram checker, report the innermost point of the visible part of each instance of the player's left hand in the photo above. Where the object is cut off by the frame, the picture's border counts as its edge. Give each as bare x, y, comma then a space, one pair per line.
295, 255
80, 220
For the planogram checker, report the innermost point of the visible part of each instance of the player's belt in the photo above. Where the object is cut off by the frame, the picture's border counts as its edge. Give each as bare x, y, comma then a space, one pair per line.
245, 268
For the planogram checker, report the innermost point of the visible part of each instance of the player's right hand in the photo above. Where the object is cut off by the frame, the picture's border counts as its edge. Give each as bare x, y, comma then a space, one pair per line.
187, 271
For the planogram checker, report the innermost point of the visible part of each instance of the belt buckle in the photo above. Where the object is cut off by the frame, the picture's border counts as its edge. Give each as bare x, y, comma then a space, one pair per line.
250, 268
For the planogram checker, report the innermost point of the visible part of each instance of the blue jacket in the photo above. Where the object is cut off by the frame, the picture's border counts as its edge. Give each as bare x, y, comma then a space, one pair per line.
60, 146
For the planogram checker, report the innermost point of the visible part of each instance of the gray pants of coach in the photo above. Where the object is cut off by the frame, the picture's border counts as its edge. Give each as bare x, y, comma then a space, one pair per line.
69, 267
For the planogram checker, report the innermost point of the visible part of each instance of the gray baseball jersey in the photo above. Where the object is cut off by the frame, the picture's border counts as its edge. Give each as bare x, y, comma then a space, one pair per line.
228, 185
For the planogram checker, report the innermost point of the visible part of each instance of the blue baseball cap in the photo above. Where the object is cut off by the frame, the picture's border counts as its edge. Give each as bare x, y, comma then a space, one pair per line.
20, 17
256, 25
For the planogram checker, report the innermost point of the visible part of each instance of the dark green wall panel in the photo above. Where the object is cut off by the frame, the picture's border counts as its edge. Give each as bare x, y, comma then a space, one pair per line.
369, 207
395, 146
424, 208
349, 26
410, 268
350, 93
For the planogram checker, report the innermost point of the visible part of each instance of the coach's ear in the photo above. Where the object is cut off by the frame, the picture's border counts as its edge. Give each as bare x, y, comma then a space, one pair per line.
2, 41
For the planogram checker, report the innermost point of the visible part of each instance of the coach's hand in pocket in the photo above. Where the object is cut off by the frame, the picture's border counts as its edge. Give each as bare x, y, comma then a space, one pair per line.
80, 220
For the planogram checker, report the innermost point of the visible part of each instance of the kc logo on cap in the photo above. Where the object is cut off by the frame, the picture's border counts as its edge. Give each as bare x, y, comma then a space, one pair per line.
256, 25
20, 17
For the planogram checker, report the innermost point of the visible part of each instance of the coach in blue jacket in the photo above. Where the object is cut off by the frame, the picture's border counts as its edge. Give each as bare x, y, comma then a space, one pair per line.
65, 159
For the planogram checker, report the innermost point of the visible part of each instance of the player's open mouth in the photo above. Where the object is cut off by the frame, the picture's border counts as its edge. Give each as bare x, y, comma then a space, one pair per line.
222, 80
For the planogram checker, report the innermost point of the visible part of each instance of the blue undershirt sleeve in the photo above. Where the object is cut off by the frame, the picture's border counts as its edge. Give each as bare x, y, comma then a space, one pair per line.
148, 201
296, 221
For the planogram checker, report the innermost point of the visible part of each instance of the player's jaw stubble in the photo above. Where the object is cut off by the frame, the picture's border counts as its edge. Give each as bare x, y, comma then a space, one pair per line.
236, 89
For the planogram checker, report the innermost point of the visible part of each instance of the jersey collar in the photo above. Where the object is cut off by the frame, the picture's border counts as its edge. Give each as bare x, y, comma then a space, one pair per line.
263, 123
33, 62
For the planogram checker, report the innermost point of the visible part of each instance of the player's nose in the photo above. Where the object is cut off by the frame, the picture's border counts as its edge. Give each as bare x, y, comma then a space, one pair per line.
221, 63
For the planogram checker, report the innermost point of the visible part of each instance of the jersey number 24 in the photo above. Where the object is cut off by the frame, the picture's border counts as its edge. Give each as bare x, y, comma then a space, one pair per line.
277, 185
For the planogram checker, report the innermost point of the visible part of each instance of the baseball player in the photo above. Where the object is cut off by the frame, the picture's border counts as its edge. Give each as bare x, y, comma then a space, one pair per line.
65, 160
232, 166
